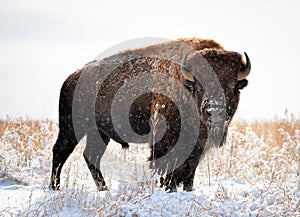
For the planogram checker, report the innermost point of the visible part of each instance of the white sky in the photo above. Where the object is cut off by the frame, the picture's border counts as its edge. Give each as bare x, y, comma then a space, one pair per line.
42, 42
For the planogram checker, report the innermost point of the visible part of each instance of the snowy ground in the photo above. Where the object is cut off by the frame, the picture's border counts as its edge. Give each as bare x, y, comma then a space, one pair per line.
246, 177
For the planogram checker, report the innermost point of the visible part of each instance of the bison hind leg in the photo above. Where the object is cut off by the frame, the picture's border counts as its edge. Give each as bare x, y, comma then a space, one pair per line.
93, 153
64, 146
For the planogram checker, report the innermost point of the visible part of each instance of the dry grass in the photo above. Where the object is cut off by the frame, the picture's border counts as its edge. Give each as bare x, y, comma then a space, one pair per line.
24, 146
270, 131
20, 133
28, 137
261, 154
3, 126
257, 152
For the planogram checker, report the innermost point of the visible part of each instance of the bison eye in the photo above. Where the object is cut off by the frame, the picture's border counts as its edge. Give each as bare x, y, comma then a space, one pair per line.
190, 85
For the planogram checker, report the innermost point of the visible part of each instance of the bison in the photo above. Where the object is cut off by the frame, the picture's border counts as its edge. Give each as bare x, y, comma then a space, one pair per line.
212, 77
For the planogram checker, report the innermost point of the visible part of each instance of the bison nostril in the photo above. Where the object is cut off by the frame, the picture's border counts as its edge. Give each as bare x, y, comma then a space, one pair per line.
208, 113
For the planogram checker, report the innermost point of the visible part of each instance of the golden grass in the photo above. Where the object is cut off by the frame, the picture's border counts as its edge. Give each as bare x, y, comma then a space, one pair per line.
27, 137
21, 133
23, 140
266, 151
256, 152
270, 131
3, 126
25, 129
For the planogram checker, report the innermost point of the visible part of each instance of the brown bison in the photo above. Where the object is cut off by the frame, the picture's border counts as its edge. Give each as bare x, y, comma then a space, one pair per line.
178, 96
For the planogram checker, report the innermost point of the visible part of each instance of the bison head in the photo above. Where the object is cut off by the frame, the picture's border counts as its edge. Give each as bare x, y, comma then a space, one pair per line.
215, 77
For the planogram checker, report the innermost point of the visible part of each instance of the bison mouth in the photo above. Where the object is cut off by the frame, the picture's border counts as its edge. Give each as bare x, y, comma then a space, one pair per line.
217, 135
216, 118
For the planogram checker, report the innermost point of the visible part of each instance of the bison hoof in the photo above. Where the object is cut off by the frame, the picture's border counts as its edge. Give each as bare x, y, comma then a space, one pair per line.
125, 145
171, 189
102, 188
54, 187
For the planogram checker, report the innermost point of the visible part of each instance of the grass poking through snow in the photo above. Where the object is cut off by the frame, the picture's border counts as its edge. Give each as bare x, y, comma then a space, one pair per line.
253, 174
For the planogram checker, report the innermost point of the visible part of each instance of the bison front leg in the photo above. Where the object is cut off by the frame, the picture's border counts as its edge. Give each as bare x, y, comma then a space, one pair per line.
95, 148
169, 183
188, 180
189, 168
185, 173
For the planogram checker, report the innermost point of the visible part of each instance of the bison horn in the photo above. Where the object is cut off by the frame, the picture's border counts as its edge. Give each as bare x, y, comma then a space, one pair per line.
243, 74
185, 72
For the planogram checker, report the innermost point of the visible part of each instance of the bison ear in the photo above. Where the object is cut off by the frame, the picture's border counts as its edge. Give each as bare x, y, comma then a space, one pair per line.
242, 83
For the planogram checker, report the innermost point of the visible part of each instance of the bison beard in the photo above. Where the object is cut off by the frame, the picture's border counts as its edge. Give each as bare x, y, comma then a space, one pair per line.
230, 70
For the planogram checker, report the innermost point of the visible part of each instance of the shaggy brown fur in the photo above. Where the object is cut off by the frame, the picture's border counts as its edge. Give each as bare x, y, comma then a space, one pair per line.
201, 44
156, 59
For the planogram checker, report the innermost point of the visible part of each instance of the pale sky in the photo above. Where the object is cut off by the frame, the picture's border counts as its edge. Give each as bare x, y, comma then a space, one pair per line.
42, 42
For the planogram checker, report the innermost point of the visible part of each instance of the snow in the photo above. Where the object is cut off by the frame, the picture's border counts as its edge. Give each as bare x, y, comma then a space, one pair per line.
246, 177
228, 198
